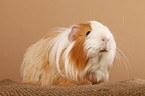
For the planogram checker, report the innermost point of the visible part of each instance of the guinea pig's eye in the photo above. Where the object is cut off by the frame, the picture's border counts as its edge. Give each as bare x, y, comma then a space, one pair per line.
88, 33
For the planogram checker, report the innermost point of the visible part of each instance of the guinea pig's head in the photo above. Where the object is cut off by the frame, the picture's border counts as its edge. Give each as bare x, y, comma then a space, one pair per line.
92, 41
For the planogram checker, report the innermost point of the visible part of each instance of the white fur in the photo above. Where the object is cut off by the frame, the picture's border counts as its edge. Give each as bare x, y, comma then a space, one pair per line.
60, 44
99, 63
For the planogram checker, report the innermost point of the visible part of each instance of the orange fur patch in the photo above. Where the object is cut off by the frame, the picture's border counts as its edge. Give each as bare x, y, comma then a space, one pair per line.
77, 54
84, 28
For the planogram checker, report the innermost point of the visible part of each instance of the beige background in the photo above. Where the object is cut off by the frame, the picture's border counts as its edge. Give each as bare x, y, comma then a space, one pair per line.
23, 22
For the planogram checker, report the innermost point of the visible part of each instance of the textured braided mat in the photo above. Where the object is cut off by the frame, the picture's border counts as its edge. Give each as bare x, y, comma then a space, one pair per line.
134, 87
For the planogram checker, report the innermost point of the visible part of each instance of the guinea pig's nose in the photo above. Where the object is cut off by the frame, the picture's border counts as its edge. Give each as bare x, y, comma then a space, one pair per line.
105, 40
105, 46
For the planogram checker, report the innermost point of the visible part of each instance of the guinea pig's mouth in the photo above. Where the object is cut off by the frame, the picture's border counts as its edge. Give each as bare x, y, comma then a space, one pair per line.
103, 50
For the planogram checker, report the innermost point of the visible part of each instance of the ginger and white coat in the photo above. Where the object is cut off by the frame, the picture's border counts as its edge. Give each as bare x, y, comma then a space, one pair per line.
70, 56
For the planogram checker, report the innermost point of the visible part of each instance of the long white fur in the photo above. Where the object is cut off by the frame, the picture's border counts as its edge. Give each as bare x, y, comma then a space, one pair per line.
59, 44
67, 57
99, 63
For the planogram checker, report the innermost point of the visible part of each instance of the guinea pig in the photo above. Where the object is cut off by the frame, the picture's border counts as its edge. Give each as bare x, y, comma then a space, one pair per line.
79, 55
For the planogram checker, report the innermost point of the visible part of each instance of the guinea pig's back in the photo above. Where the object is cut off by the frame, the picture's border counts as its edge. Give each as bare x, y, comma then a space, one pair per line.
36, 63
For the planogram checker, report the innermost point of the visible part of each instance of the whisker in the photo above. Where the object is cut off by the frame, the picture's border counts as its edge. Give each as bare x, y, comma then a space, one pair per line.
124, 60
118, 58
121, 26
119, 39
123, 54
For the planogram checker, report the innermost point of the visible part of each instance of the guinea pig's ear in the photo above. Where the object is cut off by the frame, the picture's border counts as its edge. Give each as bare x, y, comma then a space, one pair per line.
74, 33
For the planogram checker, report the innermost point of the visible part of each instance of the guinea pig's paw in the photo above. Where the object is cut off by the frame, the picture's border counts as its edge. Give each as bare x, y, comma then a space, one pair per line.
100, 75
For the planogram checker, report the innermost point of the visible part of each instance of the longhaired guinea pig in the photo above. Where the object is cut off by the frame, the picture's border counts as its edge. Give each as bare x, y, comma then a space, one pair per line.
81, 54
